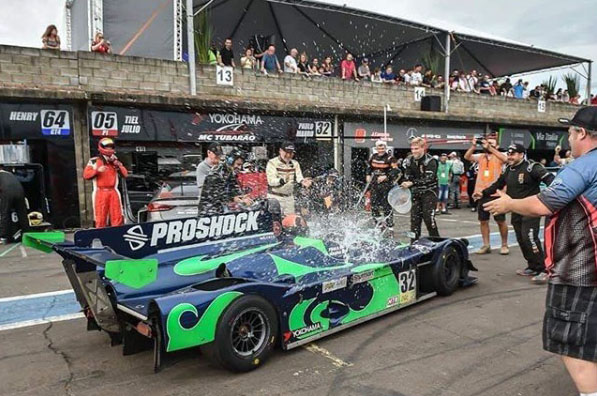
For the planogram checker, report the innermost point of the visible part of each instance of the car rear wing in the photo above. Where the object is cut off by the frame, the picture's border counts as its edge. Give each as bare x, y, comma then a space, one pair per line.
43, 241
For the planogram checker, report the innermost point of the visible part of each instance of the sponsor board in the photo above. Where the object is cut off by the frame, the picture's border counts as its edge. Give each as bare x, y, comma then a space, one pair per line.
333, 285
139, 124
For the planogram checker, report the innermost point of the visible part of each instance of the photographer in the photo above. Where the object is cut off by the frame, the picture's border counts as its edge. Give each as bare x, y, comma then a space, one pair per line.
100, 44
490, 168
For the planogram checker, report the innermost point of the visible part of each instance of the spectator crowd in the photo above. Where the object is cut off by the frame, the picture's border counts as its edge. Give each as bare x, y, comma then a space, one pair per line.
267, 62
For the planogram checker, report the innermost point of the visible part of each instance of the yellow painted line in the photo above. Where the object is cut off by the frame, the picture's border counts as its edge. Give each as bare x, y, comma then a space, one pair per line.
336, 361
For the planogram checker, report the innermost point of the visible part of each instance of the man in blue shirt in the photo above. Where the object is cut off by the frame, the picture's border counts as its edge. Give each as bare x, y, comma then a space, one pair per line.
570, 322
269, 61
518, 90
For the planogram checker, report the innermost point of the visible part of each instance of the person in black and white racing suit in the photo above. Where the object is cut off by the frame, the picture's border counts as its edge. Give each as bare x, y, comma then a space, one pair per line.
420, 175
382, 173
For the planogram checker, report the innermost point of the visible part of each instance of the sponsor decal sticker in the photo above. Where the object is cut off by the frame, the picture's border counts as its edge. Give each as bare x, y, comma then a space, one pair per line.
392, 301
362, 277
306, 330
335, 284
190, 229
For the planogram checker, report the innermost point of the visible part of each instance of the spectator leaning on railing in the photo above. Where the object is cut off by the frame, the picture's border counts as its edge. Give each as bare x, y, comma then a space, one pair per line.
303, 64
314, 67
269, 61
364, 70
388, 75
50, 38
248, 62
290, 65
226, 56
348, 68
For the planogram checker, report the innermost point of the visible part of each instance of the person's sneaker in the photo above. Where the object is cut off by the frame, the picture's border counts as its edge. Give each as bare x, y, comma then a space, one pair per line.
526, 272
540, 279
3, 241
484, 250
444, 211
473, 209
504, 251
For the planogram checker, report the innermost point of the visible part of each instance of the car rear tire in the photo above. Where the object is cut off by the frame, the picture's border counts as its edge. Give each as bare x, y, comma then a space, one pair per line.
446, 271
245, 335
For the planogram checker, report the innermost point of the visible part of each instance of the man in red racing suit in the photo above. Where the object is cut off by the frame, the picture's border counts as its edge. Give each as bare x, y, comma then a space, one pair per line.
103, 170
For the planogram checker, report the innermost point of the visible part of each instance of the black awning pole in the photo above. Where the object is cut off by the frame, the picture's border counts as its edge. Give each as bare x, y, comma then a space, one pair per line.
241, 19
271, 9
476, 59
307, 17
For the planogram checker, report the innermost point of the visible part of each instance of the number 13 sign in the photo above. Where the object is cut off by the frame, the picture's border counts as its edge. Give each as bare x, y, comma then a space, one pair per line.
224, 75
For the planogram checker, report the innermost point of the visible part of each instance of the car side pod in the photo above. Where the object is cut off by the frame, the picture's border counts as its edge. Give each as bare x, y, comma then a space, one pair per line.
132, 273
43, 241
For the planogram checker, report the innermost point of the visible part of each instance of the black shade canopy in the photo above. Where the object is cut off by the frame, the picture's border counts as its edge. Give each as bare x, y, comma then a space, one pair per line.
322, 29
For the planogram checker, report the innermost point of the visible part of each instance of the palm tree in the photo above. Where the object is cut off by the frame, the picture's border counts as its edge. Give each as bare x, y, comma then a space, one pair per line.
203, 36
572, 84
431, 61
550, 86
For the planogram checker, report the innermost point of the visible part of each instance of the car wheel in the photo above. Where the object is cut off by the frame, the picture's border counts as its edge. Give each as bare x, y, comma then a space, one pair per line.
446, 272
245, 335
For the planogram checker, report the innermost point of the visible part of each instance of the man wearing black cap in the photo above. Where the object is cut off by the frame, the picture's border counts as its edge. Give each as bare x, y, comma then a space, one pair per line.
570, 321
522, 179
219, 186
282, 174
214, 152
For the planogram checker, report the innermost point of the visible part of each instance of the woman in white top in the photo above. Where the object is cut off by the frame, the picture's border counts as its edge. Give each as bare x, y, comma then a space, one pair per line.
248, 61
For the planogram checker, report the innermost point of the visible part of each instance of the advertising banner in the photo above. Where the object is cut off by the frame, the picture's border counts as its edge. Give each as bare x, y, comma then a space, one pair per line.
35, 121
364, 134
133, 124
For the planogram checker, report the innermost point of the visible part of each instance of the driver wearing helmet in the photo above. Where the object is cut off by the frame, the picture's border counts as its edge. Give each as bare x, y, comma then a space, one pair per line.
104, 170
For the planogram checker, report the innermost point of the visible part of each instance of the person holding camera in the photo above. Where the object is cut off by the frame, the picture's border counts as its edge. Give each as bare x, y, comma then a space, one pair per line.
490, 168
100, 44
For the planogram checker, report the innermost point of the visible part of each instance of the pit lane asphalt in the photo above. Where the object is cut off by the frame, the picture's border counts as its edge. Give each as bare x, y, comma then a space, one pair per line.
484, 340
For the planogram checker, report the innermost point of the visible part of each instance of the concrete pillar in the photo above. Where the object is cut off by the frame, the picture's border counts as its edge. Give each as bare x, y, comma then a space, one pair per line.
82, 154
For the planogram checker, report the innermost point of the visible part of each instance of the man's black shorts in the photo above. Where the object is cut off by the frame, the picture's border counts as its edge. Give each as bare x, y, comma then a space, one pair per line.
570, 322
483, 215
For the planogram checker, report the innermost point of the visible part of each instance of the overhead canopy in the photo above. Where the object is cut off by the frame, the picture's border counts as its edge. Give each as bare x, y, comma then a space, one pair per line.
322, 29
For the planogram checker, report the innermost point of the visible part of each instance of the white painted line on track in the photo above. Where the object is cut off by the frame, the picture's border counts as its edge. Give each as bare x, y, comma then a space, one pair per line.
10, 249
23, 251
336, 361
37, 295
35, 322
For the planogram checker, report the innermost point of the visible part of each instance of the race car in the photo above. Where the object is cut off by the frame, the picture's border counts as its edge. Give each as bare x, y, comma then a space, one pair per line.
239, 284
